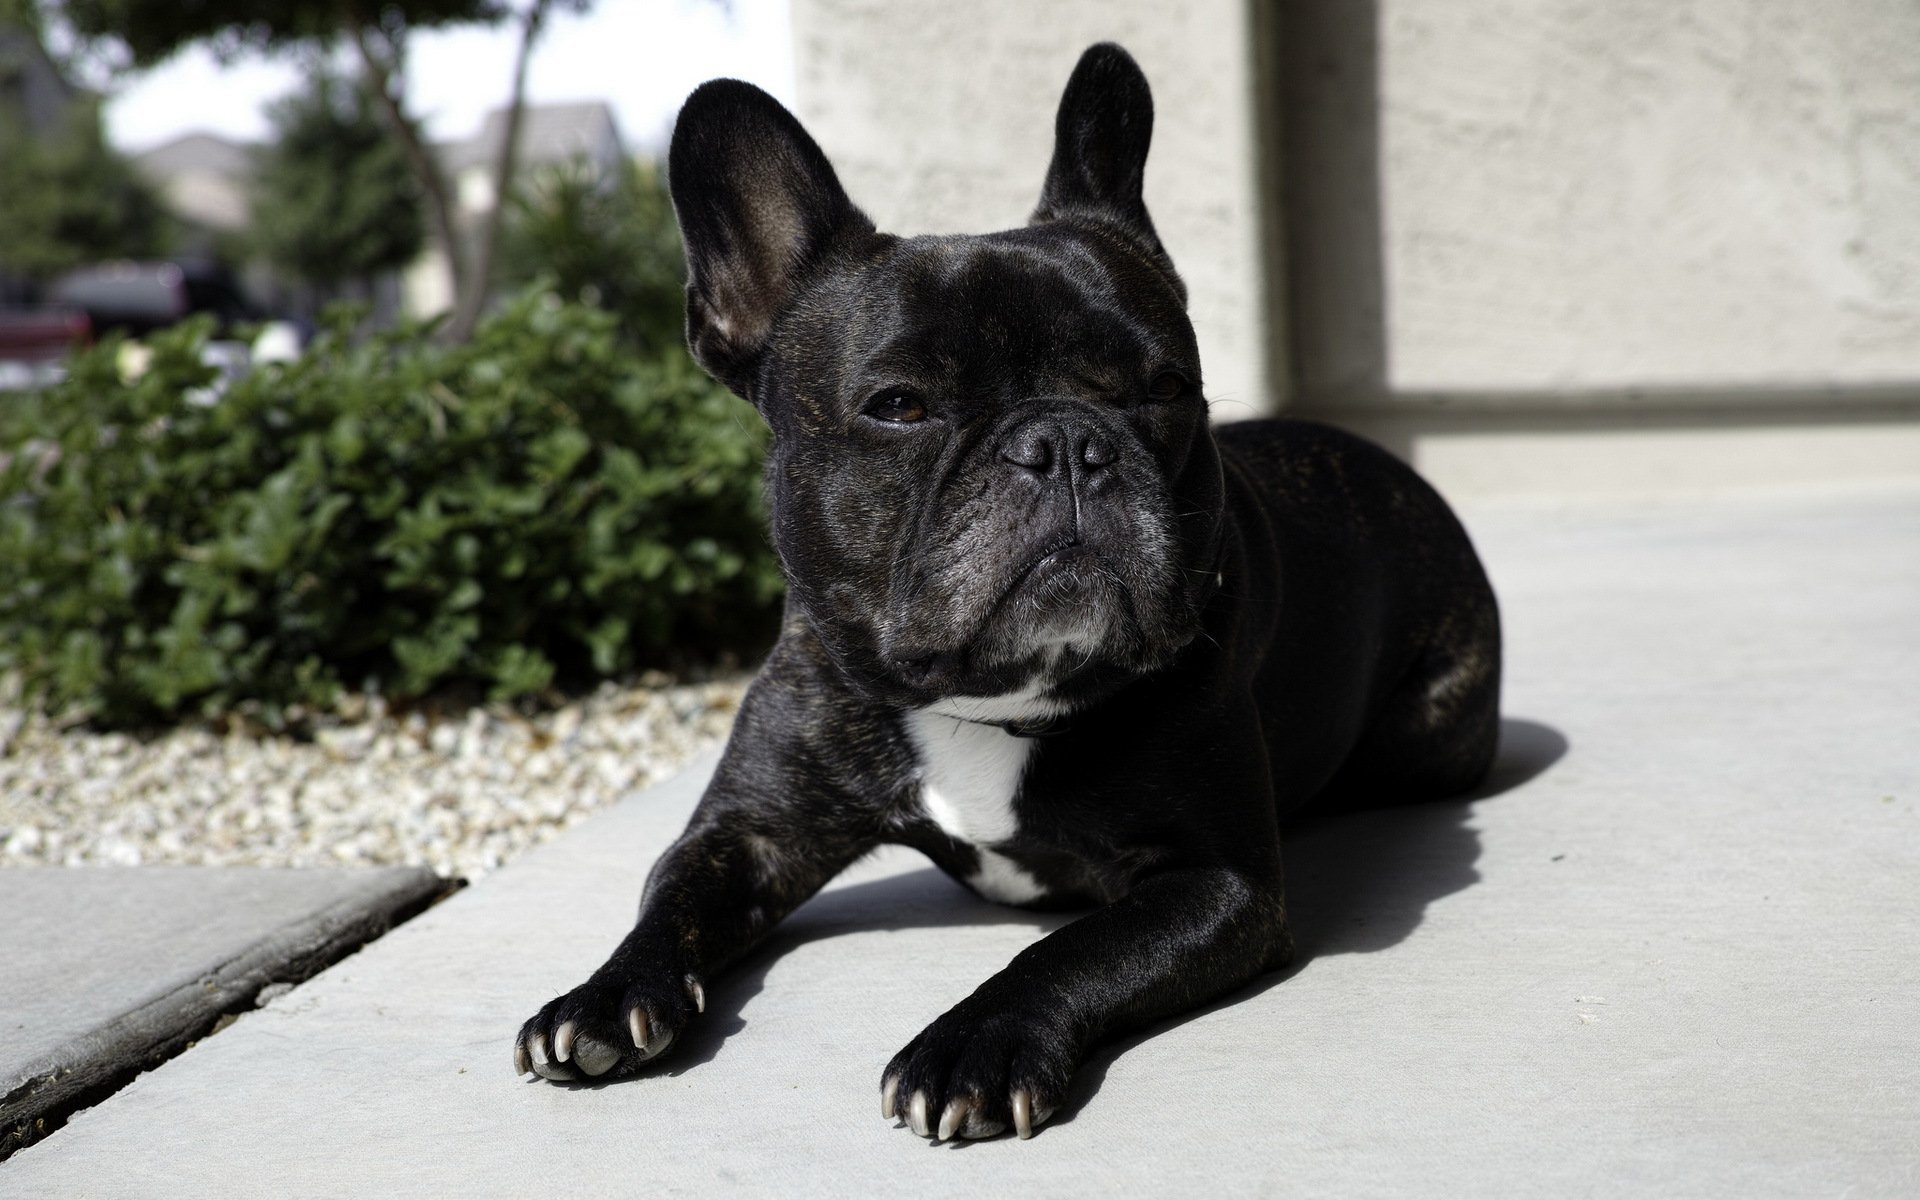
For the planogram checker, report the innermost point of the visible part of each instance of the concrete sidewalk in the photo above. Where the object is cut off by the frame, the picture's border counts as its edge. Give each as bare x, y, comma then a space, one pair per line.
1677, 953
110, 970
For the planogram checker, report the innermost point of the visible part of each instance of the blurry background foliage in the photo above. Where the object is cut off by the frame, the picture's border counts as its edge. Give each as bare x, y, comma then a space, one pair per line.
560, 497
68, 199
607, 241
333, 202
146, 32
129, 35
539, 506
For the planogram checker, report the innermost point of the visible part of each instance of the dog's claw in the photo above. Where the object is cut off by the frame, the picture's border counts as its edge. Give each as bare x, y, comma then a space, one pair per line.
889, 1097
917, 1114
542, 1056
522, 1065
563, 1041
698, 993
637, 1026
951, 1119
1027, 1115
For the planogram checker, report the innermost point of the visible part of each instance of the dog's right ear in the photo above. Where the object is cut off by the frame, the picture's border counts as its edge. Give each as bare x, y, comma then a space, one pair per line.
759, 208
1100, 140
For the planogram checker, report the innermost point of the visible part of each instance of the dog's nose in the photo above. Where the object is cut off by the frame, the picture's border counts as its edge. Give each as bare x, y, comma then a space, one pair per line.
1048, 445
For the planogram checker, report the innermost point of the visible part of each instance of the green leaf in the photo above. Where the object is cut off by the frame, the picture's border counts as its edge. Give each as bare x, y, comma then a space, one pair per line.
518, 671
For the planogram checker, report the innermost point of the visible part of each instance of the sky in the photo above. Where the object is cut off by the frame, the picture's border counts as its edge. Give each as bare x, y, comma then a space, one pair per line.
641, 56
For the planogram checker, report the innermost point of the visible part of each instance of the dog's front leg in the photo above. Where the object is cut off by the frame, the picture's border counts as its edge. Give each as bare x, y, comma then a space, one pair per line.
1004, 1055
745, 861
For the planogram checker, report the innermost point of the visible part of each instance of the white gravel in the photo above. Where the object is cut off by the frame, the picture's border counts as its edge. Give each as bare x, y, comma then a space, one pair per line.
461, 794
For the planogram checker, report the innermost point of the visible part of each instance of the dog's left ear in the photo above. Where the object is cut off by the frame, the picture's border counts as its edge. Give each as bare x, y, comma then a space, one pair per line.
1100, 140
760, 209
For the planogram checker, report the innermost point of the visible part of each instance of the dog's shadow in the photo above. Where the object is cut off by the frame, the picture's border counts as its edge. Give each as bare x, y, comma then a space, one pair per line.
1355, 883
1361, 882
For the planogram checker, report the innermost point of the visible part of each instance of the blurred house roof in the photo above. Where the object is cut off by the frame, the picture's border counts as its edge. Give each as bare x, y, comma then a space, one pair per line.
203, 176
197, 152
549, 133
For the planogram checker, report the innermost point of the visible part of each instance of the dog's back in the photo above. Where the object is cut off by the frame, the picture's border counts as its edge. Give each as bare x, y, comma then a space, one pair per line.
1367, 546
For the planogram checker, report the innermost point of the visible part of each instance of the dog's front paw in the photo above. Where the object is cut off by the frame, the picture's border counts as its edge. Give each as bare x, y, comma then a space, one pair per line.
974, 1073
605, 1030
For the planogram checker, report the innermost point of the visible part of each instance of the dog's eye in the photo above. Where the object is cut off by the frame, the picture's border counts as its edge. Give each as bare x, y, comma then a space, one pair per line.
1167, 385
897, 406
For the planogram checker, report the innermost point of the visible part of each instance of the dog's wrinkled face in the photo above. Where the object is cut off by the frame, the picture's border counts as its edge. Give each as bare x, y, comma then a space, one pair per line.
1003, 442
991, 470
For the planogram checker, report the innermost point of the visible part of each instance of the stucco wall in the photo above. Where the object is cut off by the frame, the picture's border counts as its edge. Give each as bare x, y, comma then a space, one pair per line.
1603, 195
939, 117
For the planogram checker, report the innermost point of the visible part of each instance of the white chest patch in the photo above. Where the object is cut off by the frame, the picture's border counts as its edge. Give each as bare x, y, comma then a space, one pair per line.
969, 775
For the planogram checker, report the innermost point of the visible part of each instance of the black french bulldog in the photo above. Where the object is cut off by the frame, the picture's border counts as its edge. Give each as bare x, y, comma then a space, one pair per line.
1043, 624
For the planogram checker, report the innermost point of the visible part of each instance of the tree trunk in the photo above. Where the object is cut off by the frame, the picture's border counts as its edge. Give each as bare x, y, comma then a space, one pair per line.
382, 78
472, 297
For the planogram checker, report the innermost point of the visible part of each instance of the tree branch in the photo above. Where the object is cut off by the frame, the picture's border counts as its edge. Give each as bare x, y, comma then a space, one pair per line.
473, 296
380, 78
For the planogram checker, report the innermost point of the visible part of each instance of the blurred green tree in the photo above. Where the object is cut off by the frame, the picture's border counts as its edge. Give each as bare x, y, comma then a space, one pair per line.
141, 33
333, 202
67, 198
606, 240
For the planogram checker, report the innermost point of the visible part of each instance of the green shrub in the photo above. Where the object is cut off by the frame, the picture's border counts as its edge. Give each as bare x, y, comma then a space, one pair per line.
606, 239
536, 506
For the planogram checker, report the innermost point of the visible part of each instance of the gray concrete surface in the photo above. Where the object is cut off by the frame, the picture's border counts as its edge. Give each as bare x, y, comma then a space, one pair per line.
1673, 954
108, 969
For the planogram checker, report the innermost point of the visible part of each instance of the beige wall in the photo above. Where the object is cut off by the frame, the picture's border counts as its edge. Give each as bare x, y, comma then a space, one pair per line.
939, 117
1596, 195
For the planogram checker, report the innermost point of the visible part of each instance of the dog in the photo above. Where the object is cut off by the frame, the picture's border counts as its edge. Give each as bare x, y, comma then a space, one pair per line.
1043, 623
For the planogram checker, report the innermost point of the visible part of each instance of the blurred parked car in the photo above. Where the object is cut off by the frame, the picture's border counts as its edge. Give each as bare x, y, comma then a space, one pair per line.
34, 342
139, 298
